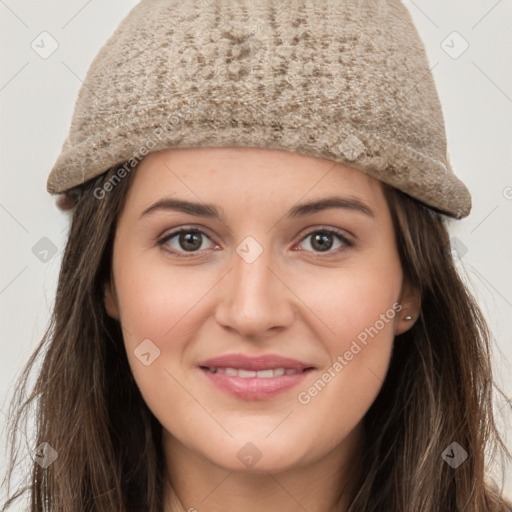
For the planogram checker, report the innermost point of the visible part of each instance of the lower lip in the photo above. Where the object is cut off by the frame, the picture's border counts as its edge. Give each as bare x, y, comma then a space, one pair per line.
254, 388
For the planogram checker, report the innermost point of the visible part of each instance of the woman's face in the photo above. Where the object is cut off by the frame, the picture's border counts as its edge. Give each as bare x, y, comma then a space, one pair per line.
260, 280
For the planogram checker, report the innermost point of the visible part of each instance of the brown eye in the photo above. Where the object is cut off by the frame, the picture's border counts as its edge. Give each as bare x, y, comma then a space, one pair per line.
187, 240
190, 241
322, 240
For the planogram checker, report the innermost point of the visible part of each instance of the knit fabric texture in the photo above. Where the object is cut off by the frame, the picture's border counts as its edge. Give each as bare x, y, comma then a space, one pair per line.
344, 80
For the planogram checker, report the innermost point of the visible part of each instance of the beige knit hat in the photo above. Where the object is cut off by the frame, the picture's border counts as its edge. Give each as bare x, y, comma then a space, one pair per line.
345, 80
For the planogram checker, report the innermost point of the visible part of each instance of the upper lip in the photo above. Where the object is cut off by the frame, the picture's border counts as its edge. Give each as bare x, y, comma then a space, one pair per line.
264, 362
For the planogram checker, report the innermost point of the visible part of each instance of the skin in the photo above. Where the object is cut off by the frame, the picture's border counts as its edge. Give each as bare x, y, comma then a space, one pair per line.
294, 300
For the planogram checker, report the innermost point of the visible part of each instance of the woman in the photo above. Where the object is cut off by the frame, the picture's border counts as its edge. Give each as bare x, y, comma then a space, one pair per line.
258, 306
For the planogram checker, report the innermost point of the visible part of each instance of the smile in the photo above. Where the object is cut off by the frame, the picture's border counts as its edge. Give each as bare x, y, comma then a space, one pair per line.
254, 377
248, 374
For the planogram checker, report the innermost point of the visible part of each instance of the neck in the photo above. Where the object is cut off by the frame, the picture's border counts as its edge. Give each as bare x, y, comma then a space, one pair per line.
193, 483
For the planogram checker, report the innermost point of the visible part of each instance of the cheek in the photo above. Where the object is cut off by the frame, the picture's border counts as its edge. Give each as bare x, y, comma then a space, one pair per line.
155, 301
356, 302
359, 308
159, 313
156, 315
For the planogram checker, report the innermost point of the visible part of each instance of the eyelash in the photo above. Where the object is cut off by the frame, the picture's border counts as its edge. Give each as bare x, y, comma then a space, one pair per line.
330, 231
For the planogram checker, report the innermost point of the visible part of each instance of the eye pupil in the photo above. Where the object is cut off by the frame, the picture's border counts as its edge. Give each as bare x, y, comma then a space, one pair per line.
324, 241
190, 238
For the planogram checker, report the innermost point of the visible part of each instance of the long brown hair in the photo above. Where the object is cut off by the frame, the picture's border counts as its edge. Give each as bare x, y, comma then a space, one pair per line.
438, 390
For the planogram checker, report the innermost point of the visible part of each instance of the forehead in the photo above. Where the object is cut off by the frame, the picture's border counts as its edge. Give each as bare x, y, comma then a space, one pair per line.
246, 177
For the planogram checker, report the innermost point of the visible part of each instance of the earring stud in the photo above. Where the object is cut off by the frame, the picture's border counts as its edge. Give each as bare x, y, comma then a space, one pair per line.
408, 317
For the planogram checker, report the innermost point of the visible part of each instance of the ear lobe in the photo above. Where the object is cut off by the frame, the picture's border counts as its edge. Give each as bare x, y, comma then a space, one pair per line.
411, 306
110, 300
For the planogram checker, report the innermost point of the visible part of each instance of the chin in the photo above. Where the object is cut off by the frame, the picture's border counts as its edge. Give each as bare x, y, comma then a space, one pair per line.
251, 459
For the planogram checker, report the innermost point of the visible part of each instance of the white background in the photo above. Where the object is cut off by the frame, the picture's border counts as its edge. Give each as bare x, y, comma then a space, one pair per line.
37, 98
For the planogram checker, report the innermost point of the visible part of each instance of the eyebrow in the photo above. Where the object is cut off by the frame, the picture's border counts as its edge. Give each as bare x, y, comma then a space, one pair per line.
301, 210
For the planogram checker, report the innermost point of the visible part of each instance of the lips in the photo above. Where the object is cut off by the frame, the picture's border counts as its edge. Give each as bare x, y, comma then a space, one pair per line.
254, 378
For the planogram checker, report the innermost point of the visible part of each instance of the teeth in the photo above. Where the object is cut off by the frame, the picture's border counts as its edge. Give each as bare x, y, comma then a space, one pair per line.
265, 373
247, 374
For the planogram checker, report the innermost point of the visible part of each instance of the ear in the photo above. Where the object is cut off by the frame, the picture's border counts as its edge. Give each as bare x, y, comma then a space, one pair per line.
411, 305
110, 300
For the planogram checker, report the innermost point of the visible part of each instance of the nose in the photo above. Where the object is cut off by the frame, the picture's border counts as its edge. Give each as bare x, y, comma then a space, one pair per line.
255, 298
